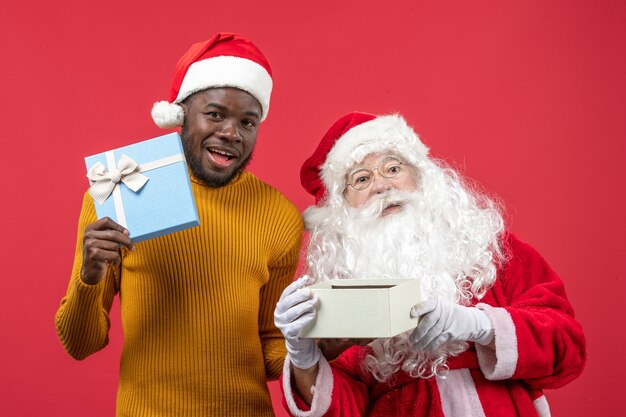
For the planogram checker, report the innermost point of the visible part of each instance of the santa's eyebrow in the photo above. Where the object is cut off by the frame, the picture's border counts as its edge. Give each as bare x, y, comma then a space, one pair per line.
360, 167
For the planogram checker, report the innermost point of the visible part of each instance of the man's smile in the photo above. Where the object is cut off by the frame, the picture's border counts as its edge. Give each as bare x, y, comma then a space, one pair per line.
220, 156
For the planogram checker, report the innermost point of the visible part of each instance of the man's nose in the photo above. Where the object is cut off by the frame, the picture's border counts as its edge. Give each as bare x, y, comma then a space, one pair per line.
229, 131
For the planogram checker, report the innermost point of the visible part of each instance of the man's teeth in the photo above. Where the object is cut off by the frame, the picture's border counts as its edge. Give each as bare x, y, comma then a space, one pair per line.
227, 154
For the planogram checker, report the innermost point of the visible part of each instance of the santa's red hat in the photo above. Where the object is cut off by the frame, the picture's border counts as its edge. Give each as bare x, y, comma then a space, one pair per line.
348, 141
225, 60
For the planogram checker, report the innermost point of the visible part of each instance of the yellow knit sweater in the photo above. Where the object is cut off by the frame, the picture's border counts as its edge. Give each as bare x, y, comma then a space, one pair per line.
197, 306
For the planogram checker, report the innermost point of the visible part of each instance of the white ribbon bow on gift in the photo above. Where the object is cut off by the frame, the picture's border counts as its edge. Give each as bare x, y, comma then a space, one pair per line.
103, 182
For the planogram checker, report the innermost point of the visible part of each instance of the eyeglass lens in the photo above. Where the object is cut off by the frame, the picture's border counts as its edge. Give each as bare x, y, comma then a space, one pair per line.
388, 168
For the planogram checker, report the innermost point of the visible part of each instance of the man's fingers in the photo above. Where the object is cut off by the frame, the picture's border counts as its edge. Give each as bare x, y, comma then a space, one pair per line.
101, 247
109, 235
106, 223
102, 255
93, 245
97, 254
112, 236
96, 261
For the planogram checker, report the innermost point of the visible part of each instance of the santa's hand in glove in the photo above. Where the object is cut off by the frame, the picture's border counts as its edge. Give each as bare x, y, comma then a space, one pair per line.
442, 321
295, 310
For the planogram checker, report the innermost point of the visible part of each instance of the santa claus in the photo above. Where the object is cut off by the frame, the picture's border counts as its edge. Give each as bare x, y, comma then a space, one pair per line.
495, 328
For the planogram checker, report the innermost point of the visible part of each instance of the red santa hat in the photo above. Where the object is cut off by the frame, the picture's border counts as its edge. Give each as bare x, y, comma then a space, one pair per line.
225, 60
348, 141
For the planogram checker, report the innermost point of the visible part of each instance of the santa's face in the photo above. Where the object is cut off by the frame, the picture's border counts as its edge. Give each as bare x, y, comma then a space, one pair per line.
377, 174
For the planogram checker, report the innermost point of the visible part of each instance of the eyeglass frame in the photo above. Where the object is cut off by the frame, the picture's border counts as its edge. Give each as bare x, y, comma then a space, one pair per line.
371, 172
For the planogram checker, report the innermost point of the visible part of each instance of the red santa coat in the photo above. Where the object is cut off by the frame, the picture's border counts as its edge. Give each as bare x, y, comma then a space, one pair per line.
538, 345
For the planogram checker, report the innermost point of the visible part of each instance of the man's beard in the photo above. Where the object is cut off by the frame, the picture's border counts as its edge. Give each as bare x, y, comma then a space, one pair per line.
444, 235
195, 165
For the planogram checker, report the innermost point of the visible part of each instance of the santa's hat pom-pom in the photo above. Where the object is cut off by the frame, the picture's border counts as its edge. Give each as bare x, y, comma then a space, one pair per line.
167, 115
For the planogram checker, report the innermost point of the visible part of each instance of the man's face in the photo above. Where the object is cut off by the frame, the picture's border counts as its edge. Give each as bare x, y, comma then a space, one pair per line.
376, 174
219, 133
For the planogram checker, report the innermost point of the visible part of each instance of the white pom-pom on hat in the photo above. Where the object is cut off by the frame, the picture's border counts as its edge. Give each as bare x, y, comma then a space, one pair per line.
167, 115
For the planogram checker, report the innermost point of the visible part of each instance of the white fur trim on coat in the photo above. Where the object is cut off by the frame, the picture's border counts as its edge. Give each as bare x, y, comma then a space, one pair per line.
458, 395
384, 133
322, 390
542, 407
228, 71
500, 363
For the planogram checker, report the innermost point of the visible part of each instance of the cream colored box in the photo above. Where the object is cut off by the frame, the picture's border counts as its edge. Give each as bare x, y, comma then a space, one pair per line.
364, 308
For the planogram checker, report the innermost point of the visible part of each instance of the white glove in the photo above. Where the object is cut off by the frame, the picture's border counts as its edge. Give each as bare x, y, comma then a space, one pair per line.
441, 321
294, 311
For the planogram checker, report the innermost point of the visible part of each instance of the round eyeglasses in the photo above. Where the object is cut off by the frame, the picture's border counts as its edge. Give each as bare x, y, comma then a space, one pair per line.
362, 178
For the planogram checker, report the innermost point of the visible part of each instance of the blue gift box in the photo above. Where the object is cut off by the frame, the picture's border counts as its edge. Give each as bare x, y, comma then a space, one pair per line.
144, 187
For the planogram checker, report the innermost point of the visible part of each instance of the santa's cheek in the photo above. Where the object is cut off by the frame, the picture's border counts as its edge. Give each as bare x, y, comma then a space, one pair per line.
357, 201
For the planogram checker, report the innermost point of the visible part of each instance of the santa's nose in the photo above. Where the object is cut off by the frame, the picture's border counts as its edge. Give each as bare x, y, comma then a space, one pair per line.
381, 184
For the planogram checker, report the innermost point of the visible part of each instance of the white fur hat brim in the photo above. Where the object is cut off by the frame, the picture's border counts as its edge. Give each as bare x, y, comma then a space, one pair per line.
384, 133
216, 72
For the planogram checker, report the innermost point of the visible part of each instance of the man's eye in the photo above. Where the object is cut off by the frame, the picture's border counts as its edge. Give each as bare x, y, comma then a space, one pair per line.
362, 179
248, 123
394, 169
214, 115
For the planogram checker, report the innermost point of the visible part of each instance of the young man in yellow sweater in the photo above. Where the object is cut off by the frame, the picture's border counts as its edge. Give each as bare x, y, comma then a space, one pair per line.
197, 305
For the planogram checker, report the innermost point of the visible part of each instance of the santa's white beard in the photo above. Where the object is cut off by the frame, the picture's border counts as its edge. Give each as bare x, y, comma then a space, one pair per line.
451, 258
395, 246
444, 235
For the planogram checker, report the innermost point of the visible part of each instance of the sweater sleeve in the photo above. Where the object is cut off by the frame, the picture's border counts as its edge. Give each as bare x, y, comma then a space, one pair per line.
537, 337
82, 320
281, 274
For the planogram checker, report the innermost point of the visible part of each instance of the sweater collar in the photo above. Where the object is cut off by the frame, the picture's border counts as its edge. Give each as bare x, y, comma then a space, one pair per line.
238, 178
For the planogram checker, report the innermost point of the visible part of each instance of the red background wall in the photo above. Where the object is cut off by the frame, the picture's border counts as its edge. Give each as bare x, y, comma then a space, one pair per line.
526, 97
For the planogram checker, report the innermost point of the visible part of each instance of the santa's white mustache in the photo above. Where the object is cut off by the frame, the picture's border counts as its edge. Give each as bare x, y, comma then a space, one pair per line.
378, 203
